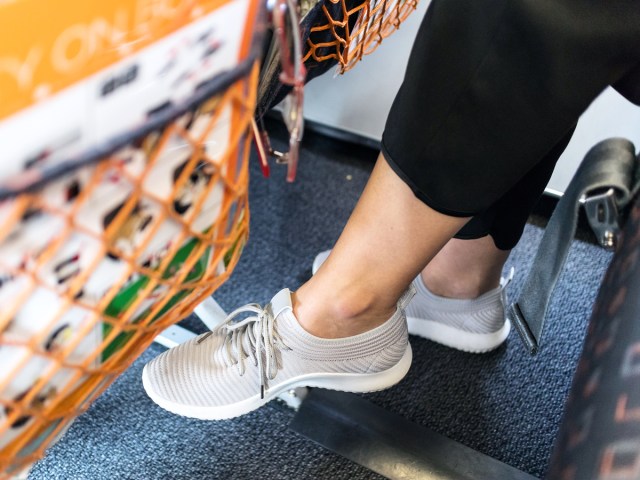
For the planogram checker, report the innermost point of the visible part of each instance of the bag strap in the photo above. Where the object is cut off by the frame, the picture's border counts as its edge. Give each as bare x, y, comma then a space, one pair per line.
607, 180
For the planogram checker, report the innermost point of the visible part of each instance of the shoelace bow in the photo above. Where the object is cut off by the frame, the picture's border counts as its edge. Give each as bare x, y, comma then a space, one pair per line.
259, 331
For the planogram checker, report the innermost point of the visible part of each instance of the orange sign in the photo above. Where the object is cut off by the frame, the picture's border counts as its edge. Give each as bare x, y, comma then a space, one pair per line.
48, 45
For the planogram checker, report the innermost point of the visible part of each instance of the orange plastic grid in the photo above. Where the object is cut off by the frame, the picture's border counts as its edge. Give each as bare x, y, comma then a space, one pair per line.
94, 265
351, 33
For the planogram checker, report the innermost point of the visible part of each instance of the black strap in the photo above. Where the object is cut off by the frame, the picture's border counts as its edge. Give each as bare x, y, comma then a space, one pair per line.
607, 176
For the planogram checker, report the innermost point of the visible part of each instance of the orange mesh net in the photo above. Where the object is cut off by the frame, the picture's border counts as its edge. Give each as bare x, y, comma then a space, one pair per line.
354, 30
96, 263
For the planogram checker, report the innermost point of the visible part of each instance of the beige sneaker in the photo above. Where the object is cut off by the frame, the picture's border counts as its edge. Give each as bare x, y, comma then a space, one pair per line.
241, 365
476, 325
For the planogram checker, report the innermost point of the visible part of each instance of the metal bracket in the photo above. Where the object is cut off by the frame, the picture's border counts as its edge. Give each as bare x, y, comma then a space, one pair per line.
173, 336
210, 313
603, 216
293, 398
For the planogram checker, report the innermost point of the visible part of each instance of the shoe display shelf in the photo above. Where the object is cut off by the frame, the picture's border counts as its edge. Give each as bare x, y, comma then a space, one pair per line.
125, 133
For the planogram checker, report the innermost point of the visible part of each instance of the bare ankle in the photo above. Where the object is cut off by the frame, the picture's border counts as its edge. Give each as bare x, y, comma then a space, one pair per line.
465, 287
339, 316
465, 268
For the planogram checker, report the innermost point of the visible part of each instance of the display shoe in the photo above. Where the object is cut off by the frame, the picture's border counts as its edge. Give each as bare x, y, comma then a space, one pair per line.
242, 364
475, 325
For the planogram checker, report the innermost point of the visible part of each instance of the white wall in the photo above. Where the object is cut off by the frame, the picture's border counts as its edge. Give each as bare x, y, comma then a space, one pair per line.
610, 115
359, 101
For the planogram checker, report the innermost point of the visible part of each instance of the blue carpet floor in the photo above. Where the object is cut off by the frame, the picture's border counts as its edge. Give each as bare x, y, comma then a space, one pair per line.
505, 404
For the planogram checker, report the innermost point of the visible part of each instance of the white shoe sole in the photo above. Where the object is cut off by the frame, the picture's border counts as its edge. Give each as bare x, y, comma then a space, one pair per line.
455, 338
347, 382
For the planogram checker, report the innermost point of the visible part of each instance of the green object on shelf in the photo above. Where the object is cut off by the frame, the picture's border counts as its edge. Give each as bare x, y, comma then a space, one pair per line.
129, 294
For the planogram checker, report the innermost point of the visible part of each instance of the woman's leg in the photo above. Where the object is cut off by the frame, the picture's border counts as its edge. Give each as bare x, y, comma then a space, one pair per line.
388, 240
490, 88
471, 264
344, 329
465, 268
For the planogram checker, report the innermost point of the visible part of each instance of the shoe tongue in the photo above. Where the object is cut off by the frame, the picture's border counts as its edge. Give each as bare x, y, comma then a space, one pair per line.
281, 302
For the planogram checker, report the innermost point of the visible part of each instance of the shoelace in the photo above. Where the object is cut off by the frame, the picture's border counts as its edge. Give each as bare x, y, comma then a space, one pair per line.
259, 330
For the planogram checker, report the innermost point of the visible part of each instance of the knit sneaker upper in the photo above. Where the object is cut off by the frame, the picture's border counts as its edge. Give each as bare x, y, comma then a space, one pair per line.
266, 350
484, 314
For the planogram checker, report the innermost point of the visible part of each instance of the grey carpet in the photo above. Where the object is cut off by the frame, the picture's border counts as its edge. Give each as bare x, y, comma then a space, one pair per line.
504, 404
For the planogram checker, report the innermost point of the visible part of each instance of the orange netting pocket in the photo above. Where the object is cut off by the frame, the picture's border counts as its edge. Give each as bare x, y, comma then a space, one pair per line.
354, 29
96, 262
